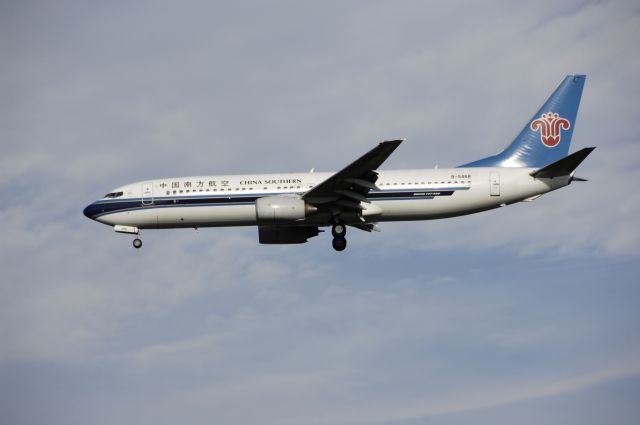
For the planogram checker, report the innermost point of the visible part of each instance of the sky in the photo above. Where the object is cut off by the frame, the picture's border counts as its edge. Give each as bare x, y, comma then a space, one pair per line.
527, 314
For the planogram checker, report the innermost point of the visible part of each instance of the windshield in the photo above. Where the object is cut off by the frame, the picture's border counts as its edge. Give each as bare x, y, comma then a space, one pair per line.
113, 195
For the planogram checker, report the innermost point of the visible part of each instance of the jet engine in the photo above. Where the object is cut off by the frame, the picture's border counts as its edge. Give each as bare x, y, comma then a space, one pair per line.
282, 209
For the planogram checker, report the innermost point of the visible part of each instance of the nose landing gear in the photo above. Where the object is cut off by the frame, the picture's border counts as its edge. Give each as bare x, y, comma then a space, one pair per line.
339, 230
137, 243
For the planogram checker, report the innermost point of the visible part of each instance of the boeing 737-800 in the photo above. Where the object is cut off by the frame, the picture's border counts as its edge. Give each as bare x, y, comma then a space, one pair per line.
291, 208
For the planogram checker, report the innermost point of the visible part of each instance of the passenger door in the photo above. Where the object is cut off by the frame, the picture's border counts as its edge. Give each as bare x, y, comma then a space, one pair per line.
147, 193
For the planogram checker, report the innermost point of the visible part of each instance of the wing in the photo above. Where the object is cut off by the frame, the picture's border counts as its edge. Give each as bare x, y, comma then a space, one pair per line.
346, 189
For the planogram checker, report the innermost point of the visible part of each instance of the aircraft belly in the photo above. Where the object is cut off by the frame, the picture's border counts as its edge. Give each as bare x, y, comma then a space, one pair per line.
460, 203
207, 216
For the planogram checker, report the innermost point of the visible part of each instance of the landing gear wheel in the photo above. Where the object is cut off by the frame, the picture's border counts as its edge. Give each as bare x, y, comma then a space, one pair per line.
339, 230
339, 244
137, 243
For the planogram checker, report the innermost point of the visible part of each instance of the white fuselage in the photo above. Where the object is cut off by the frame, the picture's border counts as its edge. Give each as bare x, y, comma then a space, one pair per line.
207, 201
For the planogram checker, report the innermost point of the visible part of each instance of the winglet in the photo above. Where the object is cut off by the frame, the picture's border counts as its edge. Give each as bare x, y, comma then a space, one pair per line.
563, 167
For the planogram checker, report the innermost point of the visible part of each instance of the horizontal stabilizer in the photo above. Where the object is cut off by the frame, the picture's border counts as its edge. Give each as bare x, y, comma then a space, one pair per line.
563, 167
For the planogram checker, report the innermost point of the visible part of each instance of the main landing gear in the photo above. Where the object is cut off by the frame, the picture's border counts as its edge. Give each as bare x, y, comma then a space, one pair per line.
339, 230
137, 243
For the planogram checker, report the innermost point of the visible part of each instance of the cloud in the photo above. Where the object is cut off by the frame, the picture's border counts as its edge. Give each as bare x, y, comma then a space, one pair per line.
424, 319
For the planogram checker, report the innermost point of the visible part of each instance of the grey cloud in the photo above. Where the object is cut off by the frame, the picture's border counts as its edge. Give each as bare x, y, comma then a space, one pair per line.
444, 318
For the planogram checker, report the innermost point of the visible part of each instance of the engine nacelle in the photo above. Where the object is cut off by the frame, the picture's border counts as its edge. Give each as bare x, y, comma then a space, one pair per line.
286, 234
282, 209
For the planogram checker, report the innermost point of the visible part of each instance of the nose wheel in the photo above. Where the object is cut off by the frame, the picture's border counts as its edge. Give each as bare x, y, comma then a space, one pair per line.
339, 230
137, 243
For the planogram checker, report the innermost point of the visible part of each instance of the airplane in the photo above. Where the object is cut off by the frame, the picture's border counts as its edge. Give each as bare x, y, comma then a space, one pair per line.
290, 208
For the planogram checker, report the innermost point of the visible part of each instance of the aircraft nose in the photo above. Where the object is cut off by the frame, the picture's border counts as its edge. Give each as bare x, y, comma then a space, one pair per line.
89, 210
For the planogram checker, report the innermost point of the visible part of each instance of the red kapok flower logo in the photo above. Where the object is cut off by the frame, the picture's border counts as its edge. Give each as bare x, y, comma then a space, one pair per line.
549, 125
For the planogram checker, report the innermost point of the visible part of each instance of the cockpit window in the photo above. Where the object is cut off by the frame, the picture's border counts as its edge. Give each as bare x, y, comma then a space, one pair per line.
113, 195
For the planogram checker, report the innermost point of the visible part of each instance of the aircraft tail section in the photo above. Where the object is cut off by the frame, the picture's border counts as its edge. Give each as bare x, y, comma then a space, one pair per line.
547, 135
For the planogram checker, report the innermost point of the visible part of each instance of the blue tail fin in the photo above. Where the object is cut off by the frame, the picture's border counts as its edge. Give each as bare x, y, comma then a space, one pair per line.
547, 136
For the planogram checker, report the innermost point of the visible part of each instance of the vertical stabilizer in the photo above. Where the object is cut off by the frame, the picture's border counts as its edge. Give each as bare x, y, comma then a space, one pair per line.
547, 135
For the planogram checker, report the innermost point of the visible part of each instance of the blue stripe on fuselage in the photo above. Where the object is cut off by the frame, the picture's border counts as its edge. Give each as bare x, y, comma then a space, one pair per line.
105, 207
